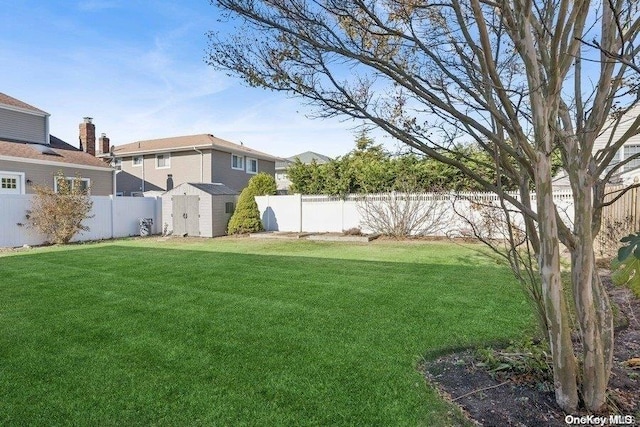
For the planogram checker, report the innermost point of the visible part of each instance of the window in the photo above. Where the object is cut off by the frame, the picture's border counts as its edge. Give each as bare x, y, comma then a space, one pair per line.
117, 163
237, 162
71, 182
9, 183
163, 161
228, 207
252, 165
137, 161
630, 150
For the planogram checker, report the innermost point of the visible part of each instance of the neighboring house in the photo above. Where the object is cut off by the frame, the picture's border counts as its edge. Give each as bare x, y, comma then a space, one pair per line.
282, 180
30, 155
631, 147
162, 164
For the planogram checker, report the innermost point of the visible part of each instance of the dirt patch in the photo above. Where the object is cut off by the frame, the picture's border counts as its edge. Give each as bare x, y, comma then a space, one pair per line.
504, 399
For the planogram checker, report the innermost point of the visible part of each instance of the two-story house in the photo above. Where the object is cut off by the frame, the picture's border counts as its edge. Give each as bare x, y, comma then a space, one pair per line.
29, 155
161, 164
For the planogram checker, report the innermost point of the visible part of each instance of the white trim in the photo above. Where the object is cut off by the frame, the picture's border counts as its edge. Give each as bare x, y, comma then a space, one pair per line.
241, 157
21, 177
71, 178
52, 163
168, 160
47, 135
133, 163
247, 161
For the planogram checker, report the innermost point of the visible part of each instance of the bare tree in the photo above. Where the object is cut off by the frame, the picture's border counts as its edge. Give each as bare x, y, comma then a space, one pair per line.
404, 214
523, 79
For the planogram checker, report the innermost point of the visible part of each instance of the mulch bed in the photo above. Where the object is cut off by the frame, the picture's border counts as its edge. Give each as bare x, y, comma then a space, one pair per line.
521, 400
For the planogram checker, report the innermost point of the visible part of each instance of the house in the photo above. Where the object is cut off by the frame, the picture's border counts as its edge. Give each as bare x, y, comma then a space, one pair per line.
30, 155
282, 180
162, 164
197, 209
630, 147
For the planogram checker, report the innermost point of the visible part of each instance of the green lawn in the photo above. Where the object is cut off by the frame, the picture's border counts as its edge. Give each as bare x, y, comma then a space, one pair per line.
242, 332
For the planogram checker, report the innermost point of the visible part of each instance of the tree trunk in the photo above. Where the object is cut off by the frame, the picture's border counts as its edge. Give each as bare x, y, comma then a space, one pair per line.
564, 362
593, 310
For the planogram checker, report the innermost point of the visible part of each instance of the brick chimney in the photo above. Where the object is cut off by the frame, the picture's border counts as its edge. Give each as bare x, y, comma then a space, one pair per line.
103, 144
88, 136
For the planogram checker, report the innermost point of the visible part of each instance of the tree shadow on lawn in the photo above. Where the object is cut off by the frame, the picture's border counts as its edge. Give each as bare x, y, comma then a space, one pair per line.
384, 313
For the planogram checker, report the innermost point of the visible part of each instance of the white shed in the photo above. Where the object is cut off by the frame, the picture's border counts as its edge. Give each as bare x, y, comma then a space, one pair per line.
198, 209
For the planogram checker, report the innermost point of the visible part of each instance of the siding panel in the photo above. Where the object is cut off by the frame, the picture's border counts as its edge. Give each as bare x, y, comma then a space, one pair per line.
23, 127
101, 181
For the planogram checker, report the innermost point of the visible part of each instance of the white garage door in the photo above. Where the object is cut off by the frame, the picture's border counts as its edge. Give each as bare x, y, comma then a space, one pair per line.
10, 183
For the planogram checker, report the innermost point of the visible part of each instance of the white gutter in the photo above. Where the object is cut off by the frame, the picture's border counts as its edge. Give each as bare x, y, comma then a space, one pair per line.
201, 164
116, 153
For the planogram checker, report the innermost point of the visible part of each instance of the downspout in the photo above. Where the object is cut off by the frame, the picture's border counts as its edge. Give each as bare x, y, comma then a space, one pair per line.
201, 164
113, 204
142, 187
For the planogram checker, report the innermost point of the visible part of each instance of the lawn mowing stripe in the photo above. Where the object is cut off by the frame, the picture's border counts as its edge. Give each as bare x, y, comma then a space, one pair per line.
155, 336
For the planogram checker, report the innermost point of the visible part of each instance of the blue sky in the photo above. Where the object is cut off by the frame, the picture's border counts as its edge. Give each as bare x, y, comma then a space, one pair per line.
137, 67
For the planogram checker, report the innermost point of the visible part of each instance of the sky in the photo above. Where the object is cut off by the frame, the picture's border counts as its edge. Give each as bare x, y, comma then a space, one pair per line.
138, 69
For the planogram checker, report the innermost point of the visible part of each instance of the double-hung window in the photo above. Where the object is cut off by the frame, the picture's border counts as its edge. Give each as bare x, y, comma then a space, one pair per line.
237, 162
252, 165
163, 161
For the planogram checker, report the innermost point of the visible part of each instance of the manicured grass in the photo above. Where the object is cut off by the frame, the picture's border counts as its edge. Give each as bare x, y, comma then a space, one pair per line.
242, 332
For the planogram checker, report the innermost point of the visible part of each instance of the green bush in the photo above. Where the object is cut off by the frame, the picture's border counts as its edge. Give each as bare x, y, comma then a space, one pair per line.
246, 217
262, 184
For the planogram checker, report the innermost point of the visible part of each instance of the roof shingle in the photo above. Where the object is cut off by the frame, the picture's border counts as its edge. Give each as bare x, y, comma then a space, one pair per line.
182, 143
64, 153
12, 102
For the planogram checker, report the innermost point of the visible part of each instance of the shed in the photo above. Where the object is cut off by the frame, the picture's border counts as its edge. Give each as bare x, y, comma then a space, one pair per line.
198, 209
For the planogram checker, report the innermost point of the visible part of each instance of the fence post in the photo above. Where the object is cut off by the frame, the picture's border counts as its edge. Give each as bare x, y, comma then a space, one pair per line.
112, 202
300, 211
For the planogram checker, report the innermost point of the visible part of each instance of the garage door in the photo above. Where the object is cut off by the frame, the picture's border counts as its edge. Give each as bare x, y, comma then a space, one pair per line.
10, 183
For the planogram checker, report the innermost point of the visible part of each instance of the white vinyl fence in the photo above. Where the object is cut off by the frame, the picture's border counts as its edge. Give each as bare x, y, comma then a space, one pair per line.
112, 217
444, 214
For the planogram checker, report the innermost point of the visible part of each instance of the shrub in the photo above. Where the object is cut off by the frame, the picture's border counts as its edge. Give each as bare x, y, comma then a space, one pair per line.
59, 215
246, 217
263, 184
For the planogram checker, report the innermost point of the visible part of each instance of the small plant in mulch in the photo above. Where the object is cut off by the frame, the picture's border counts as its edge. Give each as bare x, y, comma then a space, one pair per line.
522, 362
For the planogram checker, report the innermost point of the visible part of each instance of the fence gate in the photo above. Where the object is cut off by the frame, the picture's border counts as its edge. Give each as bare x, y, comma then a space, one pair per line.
186, 215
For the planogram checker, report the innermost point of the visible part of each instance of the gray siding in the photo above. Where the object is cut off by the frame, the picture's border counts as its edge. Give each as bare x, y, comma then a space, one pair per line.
185, 167
23, 127
101, 181
219, 217
221, 170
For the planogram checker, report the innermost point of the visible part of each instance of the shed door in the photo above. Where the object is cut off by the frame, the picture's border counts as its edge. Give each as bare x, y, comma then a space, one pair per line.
186, 217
